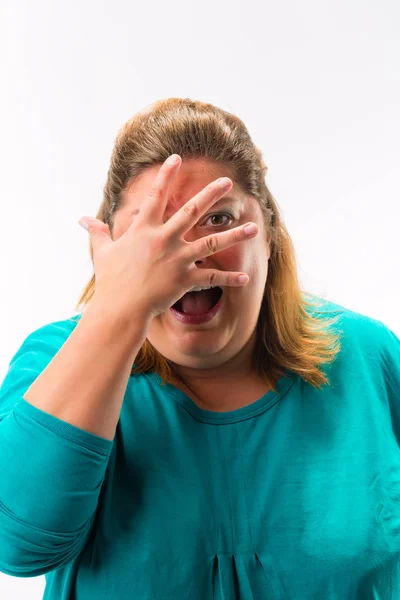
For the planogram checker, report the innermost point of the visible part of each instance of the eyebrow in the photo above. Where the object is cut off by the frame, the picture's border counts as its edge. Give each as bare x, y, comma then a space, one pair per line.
220, 201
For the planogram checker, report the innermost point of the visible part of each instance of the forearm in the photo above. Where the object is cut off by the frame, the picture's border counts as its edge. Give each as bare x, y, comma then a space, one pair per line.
85, 382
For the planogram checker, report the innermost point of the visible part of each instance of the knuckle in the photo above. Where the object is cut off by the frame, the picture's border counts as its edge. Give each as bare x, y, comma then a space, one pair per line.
212, 277
191, 209
211, 244
155, 192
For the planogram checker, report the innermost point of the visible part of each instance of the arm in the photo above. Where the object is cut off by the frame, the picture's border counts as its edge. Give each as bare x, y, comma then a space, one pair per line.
53, 458
85, 382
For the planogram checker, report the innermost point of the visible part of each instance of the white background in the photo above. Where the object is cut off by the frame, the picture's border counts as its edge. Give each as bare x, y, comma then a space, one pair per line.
316, 82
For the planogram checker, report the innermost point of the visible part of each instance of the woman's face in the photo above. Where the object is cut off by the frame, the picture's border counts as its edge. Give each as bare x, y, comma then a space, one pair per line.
225, 343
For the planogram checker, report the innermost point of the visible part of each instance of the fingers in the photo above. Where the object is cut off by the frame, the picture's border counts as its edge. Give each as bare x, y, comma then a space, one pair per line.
190, 213
219, 241
214, 277
155, 203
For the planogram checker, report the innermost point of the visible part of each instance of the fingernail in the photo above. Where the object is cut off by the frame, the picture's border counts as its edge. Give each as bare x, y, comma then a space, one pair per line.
84, 224
173, 159
224, 182
249, 229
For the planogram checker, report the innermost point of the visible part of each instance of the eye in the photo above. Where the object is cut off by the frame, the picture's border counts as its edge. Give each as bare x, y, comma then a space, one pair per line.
218, 215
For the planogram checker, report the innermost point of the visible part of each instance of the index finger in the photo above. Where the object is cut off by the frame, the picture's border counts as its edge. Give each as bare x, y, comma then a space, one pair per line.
190, 212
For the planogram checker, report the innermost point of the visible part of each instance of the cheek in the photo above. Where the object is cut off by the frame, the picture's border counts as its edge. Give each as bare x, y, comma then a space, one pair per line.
247, 257
256, 264
232, 259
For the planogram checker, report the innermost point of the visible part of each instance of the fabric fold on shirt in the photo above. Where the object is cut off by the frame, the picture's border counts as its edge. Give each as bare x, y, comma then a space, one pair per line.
51, 472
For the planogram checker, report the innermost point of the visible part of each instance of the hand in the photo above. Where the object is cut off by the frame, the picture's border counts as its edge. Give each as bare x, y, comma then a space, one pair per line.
151, 266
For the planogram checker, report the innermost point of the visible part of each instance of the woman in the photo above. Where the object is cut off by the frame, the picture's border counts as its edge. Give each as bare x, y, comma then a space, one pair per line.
239, 442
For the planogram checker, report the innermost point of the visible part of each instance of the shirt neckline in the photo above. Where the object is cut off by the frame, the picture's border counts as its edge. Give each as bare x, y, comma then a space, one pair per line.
245, 412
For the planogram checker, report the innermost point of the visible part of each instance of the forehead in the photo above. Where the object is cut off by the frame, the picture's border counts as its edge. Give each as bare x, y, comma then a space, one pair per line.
192, 176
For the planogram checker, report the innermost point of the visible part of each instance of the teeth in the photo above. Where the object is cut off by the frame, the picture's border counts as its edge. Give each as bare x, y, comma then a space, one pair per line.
198, 289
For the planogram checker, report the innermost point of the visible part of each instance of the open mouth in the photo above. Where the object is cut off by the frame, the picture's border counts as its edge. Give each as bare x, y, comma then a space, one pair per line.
198, 302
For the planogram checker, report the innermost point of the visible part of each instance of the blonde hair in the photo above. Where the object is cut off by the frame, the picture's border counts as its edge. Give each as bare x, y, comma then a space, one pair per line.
288, 336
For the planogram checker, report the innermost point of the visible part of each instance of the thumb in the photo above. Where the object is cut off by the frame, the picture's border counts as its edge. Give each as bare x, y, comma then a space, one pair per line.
98, 230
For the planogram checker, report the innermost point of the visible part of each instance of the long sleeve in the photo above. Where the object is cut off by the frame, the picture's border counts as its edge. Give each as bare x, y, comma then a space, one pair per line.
51, 472
294, 495
390, 356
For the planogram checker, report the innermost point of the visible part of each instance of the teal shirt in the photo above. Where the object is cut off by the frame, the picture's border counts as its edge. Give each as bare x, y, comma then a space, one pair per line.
293, 497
